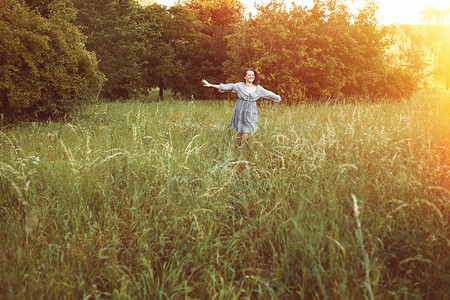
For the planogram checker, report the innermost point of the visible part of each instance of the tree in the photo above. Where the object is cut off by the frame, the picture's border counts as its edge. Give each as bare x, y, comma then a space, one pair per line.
438, 40
274, 45
41, 6
115, 33
44, 66
318, 53
409, 50
139, 47
162, 67
206, 51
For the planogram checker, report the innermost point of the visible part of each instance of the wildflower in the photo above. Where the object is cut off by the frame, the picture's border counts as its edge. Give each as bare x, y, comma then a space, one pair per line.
36, 160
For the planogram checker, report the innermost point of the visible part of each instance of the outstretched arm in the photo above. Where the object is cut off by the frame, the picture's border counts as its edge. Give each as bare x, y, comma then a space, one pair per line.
269, 95
229, 87
207, 84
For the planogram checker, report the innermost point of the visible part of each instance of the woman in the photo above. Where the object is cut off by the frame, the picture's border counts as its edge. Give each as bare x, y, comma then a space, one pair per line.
245, 115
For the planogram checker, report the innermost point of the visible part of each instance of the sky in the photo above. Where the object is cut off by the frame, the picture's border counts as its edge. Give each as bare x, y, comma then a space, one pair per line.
390, 11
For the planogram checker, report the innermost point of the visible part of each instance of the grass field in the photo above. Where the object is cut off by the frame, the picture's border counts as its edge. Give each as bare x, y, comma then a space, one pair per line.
154, 200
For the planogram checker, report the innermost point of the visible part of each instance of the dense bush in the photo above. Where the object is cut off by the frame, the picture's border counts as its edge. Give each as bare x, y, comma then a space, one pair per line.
322, 52
140, 47
44, 67
214, 21
302, 53
117, 35
318, 53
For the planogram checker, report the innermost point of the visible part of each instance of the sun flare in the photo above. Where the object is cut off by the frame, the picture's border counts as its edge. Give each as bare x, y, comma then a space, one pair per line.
398, 11
406, 11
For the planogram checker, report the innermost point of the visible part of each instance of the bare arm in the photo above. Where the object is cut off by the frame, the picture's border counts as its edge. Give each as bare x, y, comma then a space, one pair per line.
229, 87
207, 84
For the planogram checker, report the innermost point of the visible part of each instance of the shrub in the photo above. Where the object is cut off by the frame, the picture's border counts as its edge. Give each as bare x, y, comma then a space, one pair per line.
318, 53
398, 83
44, 67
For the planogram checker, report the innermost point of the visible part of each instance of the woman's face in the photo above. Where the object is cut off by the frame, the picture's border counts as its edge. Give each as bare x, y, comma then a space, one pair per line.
250, 77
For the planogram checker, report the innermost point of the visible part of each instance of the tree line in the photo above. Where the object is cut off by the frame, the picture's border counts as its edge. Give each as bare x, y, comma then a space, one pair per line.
55, 53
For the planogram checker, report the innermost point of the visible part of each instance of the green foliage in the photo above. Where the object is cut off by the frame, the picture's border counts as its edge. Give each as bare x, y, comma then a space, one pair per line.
41, 6
139, 47
212, 22
154, 200
116, 35
324, 52
160, 62
44, 67
316, 53
175, 38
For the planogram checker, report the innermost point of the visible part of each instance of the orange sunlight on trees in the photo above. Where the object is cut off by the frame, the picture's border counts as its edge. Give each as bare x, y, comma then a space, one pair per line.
438, 37
311, 50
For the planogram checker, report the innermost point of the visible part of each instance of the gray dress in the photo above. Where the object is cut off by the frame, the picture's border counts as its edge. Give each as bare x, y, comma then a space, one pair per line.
245, 115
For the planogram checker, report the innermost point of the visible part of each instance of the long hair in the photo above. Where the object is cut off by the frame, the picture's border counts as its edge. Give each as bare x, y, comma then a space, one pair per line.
256, 75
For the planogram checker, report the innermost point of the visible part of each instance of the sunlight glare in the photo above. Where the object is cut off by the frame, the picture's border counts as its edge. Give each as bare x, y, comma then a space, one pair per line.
407, 11
390, 11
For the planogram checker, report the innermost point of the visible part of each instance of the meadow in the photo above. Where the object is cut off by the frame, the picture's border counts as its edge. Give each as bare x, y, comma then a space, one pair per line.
155, 200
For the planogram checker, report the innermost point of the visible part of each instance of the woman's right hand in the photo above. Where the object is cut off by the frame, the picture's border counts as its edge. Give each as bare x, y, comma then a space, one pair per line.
206, 83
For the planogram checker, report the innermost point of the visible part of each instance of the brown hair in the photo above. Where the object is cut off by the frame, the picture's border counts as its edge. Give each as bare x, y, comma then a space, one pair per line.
256, 75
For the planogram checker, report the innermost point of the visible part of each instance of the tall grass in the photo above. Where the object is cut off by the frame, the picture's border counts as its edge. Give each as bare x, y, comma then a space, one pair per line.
155, 200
